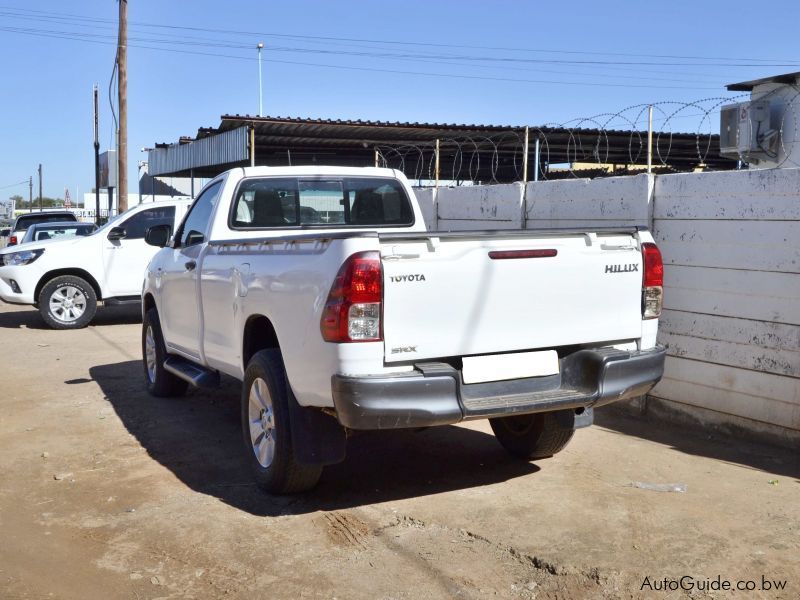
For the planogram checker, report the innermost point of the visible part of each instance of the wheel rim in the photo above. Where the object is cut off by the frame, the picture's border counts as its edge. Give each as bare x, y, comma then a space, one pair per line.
67, 303
150, 353
261, 418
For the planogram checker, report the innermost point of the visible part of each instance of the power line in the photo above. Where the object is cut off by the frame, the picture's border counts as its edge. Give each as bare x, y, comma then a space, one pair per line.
376, 70
353, 68
754, 61
95, 22
11, 185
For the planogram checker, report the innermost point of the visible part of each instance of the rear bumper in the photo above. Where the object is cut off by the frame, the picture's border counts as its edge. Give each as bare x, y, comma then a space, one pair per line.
434, 393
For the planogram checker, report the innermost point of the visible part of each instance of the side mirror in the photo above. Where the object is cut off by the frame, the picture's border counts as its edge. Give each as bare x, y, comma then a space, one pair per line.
158, 235
116, 233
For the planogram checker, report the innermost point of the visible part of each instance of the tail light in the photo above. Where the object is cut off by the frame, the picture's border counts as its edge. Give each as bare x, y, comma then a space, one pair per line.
12, 241
353, 310
653, 283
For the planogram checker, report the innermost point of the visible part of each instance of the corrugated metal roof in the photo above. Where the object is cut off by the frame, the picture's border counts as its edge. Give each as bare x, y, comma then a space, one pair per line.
226, 148
747, 86
492, 151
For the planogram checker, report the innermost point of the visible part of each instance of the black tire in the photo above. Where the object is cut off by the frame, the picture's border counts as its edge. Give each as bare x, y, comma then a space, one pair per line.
160, 383
531, 437
269, 449
67, 302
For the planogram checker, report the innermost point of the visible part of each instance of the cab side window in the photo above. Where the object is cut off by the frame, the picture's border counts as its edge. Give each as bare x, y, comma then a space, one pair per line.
195, 226
140, 222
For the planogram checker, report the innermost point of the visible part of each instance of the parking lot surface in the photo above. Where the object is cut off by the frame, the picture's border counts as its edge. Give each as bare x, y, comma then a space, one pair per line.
108, 493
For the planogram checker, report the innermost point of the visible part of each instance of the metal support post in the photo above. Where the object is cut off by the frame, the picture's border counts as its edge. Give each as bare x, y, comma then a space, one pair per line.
525, 157
252, 146
437, 162
650, 139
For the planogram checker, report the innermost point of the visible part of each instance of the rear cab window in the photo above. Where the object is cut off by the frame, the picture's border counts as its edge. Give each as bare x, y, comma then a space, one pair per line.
25, 221
321, 202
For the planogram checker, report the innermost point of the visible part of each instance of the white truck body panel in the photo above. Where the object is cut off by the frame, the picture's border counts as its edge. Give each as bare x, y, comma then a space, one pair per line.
452, 299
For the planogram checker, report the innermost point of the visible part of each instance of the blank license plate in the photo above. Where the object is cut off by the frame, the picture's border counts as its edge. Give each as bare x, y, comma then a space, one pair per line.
499, 367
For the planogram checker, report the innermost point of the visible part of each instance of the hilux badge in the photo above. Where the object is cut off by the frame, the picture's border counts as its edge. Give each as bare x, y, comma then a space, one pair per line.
622, 268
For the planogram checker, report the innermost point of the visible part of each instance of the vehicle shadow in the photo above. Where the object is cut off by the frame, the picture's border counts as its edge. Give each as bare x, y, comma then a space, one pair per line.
17, 319
112, 315
198, 438
117, 315
691, 439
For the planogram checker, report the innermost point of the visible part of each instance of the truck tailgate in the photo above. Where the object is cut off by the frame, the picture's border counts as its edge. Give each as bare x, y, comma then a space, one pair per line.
447, 296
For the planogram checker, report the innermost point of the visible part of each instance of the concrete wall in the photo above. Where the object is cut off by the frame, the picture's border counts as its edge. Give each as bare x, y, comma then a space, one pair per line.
479, 207
731, 246
607, 202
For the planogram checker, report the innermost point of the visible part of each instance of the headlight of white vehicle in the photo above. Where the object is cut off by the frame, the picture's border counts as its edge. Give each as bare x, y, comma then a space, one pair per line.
25, 257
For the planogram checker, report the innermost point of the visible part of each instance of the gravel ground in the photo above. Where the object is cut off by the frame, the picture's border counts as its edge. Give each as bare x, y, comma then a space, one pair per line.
108, 493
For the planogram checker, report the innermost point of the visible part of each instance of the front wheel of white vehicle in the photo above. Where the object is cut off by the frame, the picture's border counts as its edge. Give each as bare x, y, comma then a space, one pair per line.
67, 302
266, 429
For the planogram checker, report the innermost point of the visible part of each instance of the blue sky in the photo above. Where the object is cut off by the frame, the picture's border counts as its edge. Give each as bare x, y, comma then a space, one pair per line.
500, 62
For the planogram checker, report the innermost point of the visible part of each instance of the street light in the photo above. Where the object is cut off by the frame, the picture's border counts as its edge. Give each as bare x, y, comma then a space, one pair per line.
260, 93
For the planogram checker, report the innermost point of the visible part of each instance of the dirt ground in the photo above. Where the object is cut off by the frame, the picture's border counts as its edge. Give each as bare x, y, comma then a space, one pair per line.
106, 492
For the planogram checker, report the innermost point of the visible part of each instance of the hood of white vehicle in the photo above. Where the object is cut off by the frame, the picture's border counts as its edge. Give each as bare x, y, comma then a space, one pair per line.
42, 244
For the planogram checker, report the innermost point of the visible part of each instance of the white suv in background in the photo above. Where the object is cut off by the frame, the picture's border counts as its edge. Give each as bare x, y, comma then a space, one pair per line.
66, 279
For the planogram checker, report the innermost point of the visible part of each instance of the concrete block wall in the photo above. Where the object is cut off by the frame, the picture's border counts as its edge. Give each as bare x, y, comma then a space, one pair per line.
607, 202
426, 198
731, 247
479, 207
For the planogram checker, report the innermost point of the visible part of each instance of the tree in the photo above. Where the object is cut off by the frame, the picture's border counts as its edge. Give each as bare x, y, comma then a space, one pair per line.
46, 203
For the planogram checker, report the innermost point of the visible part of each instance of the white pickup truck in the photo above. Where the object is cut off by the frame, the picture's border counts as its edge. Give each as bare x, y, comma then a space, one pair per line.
66, 278
321, 290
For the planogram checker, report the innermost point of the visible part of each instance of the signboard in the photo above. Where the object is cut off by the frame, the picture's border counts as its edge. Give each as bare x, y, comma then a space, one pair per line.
108, 169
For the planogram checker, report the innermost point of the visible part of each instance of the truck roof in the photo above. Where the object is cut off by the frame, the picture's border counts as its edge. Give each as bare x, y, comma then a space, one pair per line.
316, 170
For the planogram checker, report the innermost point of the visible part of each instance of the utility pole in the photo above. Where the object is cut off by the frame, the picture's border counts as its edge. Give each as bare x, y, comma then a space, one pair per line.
30, 194
96, 158
260, 94
40, 187
122, 88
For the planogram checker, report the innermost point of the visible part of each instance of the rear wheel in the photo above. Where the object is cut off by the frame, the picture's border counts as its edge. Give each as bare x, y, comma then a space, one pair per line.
266, 428
531, 437
160, 382
67, 302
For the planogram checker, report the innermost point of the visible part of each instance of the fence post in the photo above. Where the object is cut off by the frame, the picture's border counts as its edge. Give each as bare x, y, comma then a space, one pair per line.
437, 163
650, 138
525, 158
252, 146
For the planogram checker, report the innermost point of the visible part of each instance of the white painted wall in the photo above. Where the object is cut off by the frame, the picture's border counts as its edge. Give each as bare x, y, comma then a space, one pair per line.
606, 202
731, 246
479, 207
426, 197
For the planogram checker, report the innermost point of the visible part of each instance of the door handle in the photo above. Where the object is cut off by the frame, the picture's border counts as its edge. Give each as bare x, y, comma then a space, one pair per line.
190, 266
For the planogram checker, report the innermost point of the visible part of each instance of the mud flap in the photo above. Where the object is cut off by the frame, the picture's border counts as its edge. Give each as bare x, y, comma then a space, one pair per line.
567, 419
317, 438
